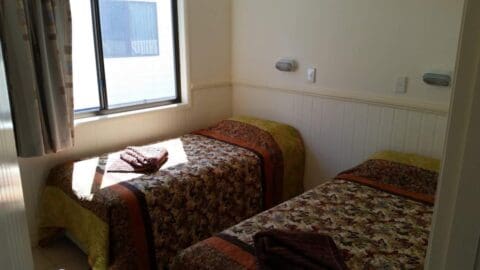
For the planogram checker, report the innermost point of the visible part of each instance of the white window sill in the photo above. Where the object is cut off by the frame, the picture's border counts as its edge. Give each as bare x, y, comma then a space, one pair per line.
96, 118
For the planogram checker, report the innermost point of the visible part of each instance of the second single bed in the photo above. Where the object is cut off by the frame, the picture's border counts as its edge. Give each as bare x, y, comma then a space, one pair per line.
378, 214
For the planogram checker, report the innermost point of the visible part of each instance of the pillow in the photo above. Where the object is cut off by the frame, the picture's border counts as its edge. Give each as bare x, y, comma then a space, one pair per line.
409, 175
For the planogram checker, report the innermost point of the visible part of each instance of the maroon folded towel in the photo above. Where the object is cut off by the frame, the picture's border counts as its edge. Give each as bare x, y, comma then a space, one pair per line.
297, 250
147, 159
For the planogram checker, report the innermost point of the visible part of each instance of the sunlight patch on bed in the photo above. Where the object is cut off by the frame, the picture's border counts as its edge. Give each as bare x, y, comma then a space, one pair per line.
86, 180
83, 177
176, 153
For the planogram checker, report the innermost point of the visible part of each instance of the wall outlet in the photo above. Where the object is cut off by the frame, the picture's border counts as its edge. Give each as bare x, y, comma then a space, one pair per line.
401, 85
311, 75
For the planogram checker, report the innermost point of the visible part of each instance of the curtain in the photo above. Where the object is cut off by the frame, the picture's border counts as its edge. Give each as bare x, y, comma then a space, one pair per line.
38, 52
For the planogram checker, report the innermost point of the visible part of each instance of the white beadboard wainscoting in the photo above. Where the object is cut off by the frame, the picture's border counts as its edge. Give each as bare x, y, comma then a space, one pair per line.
110, 133
340, 133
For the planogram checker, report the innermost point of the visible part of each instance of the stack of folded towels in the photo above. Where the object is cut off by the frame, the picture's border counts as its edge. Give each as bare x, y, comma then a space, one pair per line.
146, 159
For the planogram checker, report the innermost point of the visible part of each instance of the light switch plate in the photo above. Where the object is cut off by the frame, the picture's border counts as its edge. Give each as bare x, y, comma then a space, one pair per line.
401, 85
311, 75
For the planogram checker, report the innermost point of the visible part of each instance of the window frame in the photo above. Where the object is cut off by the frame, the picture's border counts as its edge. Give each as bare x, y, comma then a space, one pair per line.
104, 108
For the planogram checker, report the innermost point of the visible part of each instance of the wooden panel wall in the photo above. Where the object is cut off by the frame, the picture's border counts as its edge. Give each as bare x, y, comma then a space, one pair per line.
339, 133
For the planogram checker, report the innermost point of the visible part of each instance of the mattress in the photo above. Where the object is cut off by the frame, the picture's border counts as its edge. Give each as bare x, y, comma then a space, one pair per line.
213, 179
374, 225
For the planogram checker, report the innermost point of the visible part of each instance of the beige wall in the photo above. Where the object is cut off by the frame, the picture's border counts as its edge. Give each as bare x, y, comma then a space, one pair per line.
210, 50
359, 47
208, 36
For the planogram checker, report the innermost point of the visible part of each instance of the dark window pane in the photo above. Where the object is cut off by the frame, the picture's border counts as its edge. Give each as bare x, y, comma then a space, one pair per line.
129, 28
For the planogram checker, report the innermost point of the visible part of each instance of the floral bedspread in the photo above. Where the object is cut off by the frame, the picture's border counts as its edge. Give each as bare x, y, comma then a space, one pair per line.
135, 221
374, 229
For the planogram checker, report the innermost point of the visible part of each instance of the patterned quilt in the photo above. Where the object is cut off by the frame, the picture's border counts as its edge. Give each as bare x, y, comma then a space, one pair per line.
374, 228
213, 179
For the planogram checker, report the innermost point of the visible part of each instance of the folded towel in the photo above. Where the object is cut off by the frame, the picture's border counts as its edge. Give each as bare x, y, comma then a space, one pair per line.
297, 250
144, 156
146, 159
131, 159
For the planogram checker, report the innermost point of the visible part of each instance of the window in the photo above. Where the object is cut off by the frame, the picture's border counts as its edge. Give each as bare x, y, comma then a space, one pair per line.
125, 55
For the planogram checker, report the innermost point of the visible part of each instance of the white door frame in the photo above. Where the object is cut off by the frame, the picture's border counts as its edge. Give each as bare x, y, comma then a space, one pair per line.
15, 250
455, 232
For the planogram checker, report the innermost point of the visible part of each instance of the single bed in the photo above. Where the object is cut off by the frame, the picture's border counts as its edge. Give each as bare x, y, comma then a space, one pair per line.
377, 213
213, 179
